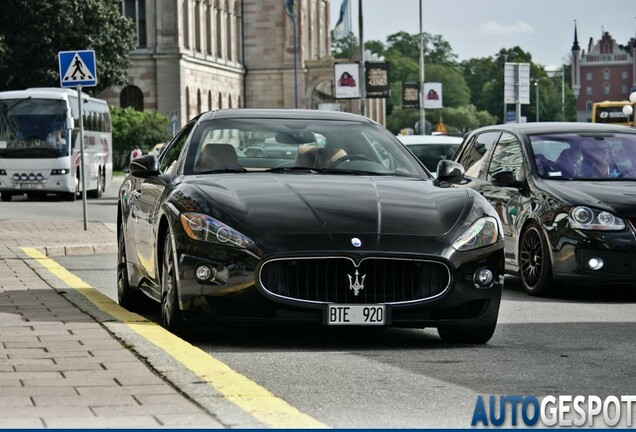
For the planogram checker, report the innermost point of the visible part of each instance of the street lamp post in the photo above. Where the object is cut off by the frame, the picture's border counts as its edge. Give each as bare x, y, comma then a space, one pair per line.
536, 97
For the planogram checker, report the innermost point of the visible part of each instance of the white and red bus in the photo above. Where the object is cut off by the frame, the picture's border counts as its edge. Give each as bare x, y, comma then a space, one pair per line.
36, 162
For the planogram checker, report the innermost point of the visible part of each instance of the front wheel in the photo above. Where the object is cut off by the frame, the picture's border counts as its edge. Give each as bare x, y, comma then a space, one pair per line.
6, 196
126, 296
534, 262
467, 334
171, 317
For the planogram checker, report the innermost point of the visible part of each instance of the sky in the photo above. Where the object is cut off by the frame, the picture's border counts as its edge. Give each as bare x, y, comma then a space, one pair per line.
480, 28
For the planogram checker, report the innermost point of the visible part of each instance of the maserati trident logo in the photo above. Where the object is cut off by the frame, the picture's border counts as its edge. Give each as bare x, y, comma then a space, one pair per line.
356, 242
356, 285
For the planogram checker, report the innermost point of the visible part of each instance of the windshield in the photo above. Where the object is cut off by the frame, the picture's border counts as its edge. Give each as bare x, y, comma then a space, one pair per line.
33, 128
298, 146
598, 156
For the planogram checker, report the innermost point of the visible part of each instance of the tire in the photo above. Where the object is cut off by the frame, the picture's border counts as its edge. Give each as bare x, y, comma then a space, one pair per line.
467, 334
171, 317
127, 297
6, 196
535, 266
99, 191
36, 196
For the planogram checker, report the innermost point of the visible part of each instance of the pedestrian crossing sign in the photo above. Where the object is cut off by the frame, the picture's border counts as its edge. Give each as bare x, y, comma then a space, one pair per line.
77, 68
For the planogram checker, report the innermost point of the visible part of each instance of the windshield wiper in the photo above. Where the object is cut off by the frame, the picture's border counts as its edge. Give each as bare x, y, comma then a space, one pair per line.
293, 169
224, 170
18, 103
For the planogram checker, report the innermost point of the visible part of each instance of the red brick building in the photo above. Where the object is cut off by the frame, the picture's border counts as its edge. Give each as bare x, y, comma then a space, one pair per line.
606, 71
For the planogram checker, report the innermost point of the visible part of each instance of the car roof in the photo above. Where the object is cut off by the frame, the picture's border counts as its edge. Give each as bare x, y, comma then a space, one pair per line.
557, 127
429, 139
300, 114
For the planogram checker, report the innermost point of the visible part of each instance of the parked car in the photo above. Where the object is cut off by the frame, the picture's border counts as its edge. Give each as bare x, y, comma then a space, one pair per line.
431, 149
350, 232
566, 194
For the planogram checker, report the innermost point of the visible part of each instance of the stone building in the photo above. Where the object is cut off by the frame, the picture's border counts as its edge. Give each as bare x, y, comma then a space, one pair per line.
605, 71
198, 55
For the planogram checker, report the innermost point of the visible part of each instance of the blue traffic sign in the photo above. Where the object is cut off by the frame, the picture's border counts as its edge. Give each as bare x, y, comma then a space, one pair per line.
77, 68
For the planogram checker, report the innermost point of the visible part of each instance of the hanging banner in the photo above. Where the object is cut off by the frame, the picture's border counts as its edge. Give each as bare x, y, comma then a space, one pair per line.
346, 79
433, 95
377, 80
410, 95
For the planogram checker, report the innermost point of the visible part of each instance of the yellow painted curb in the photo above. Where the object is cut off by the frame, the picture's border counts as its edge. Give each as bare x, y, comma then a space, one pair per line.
246, 394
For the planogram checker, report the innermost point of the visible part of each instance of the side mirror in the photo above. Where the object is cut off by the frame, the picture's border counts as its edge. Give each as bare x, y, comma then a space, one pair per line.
144, 166
450, 171
505, 179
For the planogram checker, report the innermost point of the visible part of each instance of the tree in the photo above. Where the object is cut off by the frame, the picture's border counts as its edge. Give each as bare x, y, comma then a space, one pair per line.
136, 128
34, 31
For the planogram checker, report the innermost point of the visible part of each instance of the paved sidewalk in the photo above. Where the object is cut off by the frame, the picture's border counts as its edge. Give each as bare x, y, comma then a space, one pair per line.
63, 367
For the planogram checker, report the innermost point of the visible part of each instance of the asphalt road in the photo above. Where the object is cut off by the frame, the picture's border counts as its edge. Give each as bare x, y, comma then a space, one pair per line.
582, 342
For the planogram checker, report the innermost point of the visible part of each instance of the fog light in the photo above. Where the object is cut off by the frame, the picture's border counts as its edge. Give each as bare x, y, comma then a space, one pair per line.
595, 263
203, 272
484, 277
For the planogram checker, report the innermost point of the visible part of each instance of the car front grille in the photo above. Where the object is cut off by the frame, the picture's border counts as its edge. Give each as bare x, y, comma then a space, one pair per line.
334, 279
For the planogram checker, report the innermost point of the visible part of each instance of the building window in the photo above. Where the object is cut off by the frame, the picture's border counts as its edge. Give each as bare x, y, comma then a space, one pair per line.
606, 74
131, 96
186, 25
588, 76
197, 26
589, 90
219, 35
209, 100
606, 89
220, 101
187, 102
199, 106
136, 11
624, 89
624, 75
588, 105
208, 29
228, 31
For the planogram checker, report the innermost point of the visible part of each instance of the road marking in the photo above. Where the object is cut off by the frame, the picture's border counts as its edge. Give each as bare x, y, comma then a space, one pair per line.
246, 394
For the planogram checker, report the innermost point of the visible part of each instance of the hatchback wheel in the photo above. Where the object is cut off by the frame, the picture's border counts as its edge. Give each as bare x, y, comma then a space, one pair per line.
534, 262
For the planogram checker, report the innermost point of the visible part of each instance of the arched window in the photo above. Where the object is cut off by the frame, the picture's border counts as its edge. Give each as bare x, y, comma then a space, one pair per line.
209, 100
220, 101
198, 102
229, 101
131, 96
187, 103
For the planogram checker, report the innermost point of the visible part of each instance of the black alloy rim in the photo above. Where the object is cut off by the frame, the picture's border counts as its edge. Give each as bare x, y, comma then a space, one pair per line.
531, 257
168, 278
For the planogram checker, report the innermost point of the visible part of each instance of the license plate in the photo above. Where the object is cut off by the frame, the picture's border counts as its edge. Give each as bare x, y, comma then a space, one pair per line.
346, 314
28, 186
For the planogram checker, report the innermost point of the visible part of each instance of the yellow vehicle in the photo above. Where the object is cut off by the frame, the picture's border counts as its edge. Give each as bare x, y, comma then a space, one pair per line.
612, 112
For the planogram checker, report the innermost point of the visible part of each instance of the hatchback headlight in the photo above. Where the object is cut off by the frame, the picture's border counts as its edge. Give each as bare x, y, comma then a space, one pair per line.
483, 232
582, 217
202, 227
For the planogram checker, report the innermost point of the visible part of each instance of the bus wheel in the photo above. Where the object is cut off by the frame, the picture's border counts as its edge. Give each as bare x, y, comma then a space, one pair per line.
6, 196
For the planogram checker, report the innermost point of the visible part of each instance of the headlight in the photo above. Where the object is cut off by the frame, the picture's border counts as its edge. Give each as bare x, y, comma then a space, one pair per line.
483, 232
61, 171
590, 219
202, 227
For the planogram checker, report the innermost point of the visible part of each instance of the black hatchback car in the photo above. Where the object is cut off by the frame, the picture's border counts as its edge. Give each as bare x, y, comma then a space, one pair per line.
350, 231
566, 195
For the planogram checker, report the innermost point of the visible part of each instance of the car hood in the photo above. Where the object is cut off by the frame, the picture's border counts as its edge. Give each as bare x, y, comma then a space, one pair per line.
616, 196
319, 204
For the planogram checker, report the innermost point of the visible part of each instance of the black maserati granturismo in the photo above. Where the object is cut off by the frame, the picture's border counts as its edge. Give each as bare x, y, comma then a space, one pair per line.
344, 227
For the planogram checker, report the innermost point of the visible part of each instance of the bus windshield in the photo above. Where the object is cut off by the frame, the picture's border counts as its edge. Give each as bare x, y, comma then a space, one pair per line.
33, 128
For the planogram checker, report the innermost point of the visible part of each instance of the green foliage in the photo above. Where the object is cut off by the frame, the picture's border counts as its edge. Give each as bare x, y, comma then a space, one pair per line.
344, 47
137, 128
34, 31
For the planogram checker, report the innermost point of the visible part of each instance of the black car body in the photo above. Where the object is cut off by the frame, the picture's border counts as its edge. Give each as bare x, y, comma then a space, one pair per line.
353, 230
566, 194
